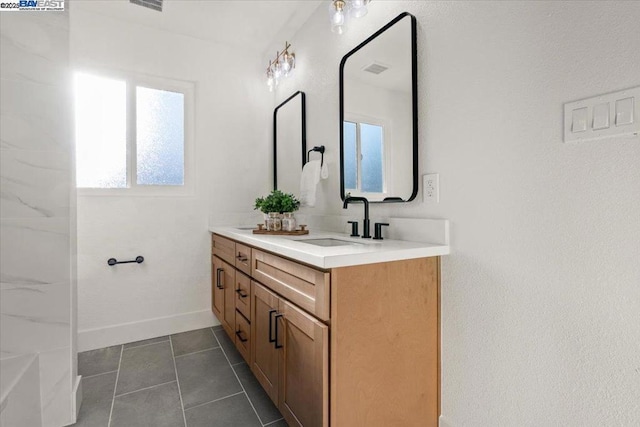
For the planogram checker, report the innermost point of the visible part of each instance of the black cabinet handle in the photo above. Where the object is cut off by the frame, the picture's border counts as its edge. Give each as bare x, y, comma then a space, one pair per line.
239, 335
242, 293
218, 278
242, 258
271, 312
276, 345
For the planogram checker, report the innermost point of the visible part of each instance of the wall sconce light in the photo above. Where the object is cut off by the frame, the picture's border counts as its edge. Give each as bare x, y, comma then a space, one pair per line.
281, 66
340, 10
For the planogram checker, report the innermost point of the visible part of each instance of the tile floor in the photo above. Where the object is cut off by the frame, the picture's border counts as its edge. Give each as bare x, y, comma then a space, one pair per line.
194, 379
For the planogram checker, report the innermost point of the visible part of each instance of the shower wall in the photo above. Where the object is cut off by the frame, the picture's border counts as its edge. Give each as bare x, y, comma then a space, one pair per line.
37, 214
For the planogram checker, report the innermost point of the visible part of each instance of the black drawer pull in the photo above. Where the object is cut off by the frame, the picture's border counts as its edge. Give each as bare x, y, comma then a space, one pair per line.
218, 278
276, 345
242, 258
242, 293
239, 335
271, 312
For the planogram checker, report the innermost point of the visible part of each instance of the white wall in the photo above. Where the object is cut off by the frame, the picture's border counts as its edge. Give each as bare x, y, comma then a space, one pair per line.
37, 210
171, 290
541, 295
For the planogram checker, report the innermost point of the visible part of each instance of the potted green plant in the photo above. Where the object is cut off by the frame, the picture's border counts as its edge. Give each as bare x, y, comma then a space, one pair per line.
276, 204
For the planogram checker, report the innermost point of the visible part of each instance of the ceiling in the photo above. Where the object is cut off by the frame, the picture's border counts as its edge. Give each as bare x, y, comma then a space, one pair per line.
250, 24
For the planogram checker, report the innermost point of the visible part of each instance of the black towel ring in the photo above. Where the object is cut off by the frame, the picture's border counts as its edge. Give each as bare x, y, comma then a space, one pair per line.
319, 149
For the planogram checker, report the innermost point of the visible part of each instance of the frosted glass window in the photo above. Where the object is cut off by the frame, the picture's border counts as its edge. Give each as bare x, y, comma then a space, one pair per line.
363, 151
372, 158
101, 132
159, 137
350, 156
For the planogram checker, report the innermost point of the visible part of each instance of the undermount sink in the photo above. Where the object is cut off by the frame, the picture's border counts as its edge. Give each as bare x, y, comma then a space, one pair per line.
328, 242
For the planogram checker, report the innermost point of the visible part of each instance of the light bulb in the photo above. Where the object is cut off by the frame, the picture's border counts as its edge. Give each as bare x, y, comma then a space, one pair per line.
287, 62
284, 65
277, 70
338, 16
358, 8
270, 79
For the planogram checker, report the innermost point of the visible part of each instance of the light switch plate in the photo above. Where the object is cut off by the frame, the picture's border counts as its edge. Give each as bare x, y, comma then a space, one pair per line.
431, 188
611, 115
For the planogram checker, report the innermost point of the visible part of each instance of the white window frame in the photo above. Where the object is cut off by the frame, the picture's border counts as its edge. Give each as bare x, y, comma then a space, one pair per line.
133, 80
358, 119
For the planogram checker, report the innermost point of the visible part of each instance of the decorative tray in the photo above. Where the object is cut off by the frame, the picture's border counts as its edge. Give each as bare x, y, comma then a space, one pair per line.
299, 232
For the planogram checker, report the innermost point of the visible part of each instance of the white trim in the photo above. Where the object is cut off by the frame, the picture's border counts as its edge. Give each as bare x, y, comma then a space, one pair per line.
76, 398
91, 339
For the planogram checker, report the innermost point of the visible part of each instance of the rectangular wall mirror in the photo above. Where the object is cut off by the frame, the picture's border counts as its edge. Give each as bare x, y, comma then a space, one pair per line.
289, 143
379, 115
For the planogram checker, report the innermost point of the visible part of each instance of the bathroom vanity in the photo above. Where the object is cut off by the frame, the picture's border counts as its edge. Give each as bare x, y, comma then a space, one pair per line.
339, 331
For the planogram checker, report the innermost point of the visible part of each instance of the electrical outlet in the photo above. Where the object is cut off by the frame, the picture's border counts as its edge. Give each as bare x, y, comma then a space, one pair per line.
430, 188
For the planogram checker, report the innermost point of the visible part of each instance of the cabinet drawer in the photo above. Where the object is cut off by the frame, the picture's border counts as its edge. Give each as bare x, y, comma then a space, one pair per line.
304, 286
243, 336
224, 248
243, 258
243, 294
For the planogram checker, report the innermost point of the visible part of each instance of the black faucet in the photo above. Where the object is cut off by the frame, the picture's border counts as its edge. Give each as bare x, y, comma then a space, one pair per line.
365, 224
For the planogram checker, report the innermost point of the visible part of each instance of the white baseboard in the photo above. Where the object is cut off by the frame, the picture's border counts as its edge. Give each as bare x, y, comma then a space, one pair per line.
76, 398
91, 339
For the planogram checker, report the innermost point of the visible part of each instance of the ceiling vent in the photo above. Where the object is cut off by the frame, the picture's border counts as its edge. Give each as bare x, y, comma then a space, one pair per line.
151, 4
375, 68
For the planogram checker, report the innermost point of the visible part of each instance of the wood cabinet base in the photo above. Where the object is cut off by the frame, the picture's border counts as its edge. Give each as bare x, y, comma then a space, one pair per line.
350, 347
385, 344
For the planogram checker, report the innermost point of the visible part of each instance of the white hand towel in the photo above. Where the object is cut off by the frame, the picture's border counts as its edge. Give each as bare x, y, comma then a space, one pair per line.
308, 183
324, 171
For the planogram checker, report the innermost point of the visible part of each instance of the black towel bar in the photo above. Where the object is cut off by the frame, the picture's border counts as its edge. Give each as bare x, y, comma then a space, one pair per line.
113, 261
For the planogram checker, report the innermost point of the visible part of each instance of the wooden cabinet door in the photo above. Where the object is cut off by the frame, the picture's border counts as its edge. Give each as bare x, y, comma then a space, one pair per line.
264, 356
217, 291
304, 367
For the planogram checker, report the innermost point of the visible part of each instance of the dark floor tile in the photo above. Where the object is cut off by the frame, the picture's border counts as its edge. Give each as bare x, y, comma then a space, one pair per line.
156, 406
192, 341
267, 411
145, 342
217, 328
234, 411
97, 394
99, 361
229, 347
280, 423
205, 376
145, 367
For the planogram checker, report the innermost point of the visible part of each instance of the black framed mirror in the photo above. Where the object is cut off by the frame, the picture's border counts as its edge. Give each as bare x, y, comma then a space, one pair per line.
289, 143
379, 115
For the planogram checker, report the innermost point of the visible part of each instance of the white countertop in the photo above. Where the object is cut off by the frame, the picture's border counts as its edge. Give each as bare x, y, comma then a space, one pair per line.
367, 251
